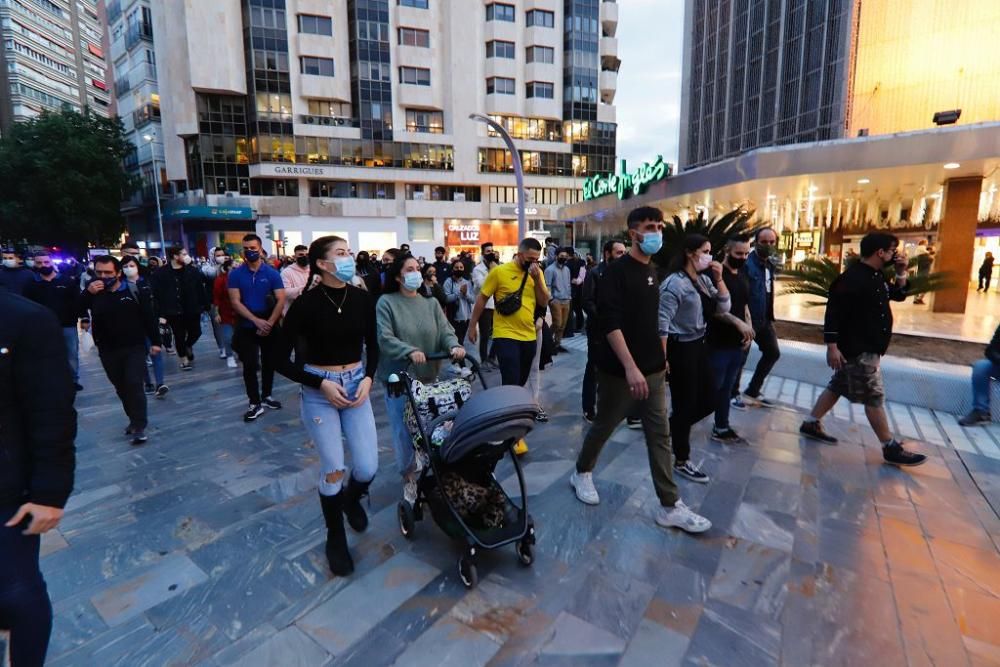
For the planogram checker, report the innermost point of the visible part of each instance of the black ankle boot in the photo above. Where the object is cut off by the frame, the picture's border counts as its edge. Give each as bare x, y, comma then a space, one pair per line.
337, 554
356, 516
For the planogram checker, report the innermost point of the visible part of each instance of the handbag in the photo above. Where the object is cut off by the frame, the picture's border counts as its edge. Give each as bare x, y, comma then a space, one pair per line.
511, 303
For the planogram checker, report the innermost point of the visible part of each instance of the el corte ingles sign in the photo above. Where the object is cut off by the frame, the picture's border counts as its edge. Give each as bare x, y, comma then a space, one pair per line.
625, 184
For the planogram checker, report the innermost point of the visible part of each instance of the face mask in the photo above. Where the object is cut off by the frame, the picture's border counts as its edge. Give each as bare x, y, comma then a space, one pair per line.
765, 251
412, 280
109, 282
185, 259
302, 261
736, 263
561, 261
131, 271
701, 262
345, 269
651, 243
251, 255
10, 263
220, 259
46, 270
30, 263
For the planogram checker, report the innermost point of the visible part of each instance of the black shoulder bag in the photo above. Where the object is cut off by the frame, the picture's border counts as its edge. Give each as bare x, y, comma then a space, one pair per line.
511, 303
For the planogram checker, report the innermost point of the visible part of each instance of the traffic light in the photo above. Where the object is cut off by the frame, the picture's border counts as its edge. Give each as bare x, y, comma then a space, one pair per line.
269, 231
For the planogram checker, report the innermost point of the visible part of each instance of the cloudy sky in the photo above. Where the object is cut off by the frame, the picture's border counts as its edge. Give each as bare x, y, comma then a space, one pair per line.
649, 83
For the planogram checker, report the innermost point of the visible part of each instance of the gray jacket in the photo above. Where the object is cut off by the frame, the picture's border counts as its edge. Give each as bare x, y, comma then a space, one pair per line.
559, 281
681, 310
464, 303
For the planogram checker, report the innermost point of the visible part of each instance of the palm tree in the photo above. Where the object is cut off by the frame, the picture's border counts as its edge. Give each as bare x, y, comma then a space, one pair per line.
718, 230
815, 275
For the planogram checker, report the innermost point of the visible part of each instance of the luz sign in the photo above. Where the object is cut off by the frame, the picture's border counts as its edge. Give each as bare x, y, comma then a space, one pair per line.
625, 184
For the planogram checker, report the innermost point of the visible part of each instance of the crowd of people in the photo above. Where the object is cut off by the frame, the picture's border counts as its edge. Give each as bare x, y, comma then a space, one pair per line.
341, 324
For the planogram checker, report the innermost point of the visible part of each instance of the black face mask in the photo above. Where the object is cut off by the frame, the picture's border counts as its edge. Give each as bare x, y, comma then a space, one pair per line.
46, 270
736, 263
302, 261
251, 255
561, 261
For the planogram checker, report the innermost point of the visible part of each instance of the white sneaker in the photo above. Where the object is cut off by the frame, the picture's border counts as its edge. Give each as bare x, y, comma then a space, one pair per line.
222, 354
231, 362
681, 516
583, 484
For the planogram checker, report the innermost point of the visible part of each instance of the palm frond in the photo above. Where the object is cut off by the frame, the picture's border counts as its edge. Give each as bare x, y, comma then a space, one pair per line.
814, 276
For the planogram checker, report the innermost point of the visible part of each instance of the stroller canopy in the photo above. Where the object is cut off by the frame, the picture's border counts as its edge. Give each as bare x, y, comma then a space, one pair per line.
494, 415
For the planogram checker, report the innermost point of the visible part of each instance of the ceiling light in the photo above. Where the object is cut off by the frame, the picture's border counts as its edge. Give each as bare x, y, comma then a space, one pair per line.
772, 196
952, 165
813, 188
864, 181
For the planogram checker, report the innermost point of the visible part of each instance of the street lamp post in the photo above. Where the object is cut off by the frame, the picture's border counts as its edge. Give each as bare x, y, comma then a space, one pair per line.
156, 189
522, 226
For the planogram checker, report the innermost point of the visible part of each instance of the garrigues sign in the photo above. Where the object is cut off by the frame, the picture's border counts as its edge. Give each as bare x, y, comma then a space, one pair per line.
625, 184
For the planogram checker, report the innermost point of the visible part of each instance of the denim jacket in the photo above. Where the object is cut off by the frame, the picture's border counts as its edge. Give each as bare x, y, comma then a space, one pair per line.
761, 301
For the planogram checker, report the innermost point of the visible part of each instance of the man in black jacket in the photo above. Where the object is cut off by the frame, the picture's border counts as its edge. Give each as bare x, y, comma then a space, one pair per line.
59, 293
857, 332
982, 372
121, 323
179, 290
13, 275
612, 251
37, 428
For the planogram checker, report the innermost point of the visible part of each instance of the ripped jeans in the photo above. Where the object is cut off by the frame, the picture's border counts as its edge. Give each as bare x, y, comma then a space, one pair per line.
329, 427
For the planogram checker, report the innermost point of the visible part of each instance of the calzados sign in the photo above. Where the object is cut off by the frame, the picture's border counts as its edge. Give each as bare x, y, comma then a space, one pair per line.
626, 184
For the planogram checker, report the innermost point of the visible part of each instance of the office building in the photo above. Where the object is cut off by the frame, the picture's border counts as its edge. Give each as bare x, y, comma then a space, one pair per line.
353, 117
52, 58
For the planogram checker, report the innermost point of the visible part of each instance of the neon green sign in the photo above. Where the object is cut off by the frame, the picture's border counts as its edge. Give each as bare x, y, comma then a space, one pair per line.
625, 184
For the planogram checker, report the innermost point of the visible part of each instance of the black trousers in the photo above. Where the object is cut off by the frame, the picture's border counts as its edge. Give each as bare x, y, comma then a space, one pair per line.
692, 391
579, 319
126, 368
187, 331
767, 343
984, 280
461, 328
514, 358
25, 609
256, 353
485, 334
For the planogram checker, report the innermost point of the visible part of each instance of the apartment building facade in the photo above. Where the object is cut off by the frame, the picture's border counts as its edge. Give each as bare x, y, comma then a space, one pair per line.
52, 58
353, 117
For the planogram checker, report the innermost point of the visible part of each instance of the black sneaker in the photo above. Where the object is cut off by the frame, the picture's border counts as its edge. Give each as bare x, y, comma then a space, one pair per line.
895, 454
269, 402
588, 417
150, 389
78, 386
976, 418
727, 436
737, 403
139, 438
162, 390
633, 423
541, 416
129, 430
691, 472
253, 412
814, 430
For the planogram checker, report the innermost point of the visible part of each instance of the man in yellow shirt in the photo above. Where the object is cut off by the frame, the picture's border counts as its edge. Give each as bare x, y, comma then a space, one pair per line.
514, 335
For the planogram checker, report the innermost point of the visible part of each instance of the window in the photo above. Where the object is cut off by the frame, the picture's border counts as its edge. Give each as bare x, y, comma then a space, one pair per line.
415, 76
540, 89
498, 49
459, 193
272, 187
317, 66
419, 4
541, 54
499, 85
315, 25
351, 190
419, 120
414, 37
327, 108
497, 11
541, 18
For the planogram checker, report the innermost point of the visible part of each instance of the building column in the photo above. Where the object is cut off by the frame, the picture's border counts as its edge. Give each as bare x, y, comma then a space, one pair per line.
956, 240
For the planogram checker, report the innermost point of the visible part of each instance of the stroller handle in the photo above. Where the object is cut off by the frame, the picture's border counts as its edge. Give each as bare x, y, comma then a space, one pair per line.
442, 356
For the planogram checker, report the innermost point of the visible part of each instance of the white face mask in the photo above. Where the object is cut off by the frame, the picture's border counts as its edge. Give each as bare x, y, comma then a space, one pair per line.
702, 262
131, 271
10, 263
186, 259
220, 259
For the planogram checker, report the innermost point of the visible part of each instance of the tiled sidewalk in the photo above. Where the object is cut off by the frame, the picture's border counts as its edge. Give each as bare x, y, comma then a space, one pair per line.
205, 548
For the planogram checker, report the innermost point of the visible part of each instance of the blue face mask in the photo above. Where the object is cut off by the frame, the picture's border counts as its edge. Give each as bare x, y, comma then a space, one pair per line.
345, 268
109, 282
251, 255
412, 280
651, 243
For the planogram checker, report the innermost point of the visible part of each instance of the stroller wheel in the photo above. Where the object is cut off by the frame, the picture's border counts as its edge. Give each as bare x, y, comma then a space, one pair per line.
405, 513
467, 572
525, 553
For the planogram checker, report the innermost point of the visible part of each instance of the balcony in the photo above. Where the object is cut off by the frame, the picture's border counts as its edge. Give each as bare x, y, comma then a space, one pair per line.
609, 16
609, 51
140, 73
329, 121
609, 86
138, 32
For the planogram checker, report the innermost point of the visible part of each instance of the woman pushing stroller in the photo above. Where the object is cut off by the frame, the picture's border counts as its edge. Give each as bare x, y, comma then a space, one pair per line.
331, 328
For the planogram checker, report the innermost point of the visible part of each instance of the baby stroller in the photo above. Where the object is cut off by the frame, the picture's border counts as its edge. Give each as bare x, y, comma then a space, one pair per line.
459, 438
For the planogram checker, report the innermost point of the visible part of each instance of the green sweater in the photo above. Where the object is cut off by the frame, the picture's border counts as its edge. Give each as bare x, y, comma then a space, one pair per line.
406, 324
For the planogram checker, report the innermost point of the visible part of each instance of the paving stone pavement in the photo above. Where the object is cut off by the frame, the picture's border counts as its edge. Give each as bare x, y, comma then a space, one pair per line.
205, 547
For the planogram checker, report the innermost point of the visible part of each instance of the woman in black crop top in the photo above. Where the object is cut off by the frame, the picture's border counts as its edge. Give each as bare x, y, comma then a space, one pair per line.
331, 328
